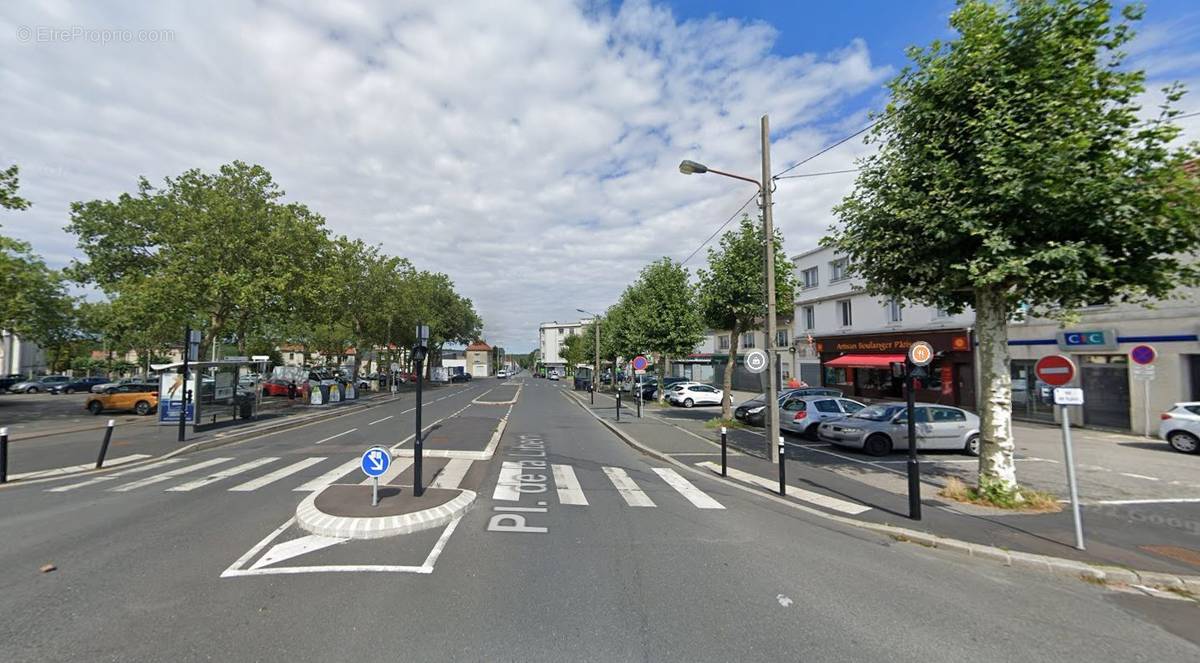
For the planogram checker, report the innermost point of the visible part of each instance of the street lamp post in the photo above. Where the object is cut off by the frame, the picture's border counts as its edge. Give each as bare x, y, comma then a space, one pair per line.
690, 168
595, 366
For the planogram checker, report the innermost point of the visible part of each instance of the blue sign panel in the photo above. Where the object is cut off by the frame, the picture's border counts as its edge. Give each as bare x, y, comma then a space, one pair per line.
375, 461
1088, 339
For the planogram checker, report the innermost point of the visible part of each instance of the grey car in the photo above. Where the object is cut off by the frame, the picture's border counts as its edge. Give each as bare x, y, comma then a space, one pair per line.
882, 428
38, 384
804, 414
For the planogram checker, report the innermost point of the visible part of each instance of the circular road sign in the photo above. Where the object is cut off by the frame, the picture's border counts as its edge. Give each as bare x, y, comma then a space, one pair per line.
375, 461
756, 361
640, 363
920, 353
1143, 355
1055, 370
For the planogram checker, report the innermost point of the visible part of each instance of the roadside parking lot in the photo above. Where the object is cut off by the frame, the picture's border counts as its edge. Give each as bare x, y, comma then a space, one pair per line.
31, 413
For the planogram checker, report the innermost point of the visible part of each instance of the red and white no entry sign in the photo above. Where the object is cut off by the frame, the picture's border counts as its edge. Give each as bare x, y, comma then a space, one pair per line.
1055, 370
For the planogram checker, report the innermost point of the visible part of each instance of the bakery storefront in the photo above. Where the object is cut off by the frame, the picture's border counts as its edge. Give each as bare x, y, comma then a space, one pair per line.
861, 366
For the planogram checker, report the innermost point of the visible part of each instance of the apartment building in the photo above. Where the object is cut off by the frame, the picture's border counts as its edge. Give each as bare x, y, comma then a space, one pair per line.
551, 337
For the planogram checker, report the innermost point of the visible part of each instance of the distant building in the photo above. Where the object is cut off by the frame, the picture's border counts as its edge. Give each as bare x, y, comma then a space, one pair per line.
455, 361
20, 356
477, 358
551, 339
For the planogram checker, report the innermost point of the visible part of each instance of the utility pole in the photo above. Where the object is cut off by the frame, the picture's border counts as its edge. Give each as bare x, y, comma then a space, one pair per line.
769, 247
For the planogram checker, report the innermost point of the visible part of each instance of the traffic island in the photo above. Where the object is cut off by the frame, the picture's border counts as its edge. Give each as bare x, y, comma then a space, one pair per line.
345, 511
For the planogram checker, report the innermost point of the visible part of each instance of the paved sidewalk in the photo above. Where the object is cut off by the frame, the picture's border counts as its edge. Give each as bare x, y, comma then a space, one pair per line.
1163, 539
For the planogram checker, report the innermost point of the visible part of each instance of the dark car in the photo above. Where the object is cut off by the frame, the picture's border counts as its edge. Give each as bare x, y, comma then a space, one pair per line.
756, 418
650, 390
460, 377
9, 380
80, 384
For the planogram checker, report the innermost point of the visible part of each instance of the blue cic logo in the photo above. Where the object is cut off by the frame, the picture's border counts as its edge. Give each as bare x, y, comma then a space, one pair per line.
1092, 339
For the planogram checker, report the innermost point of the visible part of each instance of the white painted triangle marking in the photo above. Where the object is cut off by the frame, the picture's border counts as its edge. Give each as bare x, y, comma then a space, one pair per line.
295, 548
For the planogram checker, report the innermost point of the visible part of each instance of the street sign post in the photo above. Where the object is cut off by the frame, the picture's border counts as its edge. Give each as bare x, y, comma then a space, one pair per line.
1143, 357
639, 364
418, 356
756, 361
920, 354
374, 462
1058, 370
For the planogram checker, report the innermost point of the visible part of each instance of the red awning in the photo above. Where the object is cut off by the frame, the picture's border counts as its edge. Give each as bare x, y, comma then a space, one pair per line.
865, 361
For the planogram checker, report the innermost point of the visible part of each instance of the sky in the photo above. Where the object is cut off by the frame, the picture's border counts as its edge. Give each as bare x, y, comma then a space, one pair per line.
527, 148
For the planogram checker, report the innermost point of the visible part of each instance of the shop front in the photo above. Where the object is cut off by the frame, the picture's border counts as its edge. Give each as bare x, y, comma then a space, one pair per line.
861, 366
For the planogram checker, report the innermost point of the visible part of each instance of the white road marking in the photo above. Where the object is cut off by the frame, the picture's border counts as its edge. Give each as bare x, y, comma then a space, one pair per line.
56, 471
394, 470
452, 474
507, 483
1138, 476
792, 491
687, 489
329, 477
295, 548
569, 491
92, 482
277, 474
1176, 500
169, 474
336, 436
379, 421
223, 474
627, 487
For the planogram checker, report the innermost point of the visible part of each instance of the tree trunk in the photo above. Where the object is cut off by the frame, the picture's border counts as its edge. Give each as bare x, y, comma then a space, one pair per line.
996, 442
666, 366
727, 382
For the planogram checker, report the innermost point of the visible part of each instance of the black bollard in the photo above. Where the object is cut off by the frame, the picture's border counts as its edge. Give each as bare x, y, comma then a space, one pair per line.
782, 469
723, 450
3, 455
104, 445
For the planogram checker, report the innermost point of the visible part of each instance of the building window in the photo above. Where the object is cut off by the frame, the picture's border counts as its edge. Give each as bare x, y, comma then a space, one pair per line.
809, 316
781, 338
895, 311
808, 278
748, 340
845, 313
723, 342
839, 270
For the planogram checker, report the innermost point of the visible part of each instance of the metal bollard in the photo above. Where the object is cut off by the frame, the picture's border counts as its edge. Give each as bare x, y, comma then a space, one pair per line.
639, 403
104, 445
723, 457
3, 455
782, 470
618, 405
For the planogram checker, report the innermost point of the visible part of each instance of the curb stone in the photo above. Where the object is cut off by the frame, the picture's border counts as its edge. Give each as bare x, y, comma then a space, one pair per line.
313, 520
1042, 563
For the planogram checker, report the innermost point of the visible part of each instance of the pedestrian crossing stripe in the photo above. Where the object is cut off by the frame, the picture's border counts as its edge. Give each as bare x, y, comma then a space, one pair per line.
832, 503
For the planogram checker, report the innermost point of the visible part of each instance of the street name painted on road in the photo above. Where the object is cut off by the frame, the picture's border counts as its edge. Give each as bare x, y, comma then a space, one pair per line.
526, 474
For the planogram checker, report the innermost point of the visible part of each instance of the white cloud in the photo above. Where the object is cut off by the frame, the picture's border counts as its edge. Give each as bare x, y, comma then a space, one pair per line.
526, 148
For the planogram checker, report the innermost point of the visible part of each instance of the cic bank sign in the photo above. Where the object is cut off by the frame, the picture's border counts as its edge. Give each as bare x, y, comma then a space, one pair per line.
1092, 339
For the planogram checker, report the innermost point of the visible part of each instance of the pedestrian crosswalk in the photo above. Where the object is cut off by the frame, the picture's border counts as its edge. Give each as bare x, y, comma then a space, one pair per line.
512, 484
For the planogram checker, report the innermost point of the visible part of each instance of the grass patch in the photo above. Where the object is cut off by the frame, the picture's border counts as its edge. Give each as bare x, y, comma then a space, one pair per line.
1022, 499
717, 422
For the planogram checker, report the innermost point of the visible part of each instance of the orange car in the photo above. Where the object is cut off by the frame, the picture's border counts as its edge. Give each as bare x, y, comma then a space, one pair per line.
141, 398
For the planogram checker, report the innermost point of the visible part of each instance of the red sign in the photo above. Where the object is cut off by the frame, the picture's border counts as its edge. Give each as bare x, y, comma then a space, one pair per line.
640, 363
1143, 355
947, 381
1055, 370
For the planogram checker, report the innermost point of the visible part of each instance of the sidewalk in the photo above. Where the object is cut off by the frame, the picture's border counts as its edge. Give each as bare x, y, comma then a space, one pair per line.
1165, 539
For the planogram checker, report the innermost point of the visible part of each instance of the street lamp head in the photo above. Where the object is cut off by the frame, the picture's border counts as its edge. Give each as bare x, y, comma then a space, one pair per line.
689, 167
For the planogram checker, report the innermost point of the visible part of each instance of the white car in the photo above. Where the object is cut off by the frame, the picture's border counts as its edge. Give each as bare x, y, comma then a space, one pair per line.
1180, 427
690, 394
502, 373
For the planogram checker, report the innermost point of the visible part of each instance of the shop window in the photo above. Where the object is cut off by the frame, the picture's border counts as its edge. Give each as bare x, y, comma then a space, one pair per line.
836, 375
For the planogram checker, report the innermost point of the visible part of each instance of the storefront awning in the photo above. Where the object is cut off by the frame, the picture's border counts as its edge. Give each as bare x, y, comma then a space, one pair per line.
865, 361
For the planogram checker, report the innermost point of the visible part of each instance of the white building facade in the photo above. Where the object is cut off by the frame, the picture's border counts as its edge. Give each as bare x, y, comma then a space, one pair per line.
20, 356
551, 339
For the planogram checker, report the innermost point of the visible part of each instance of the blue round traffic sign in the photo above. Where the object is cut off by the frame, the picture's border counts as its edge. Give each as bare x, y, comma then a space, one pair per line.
1143, 355
375, 461
640, 363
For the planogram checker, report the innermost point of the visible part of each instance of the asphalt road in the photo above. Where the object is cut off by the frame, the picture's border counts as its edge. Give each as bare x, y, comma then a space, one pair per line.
649, 569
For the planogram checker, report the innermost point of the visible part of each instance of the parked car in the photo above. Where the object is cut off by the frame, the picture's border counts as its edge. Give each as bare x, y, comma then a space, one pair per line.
460, 377
692, 394
880, 429
141, 398
804, 414
552, 375
78, 384
277, 387
1180, 427
7, 381
111, 385
743, 409
502, 373
35, 385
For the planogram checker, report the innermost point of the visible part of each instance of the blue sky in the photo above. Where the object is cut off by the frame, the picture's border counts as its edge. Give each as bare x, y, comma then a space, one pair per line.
527, 148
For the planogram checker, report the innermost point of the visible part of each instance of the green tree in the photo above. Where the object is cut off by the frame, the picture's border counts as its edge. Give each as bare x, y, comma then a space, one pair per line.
208, 248
9, 183
575, 350
664, 308
1014, 171
732, 292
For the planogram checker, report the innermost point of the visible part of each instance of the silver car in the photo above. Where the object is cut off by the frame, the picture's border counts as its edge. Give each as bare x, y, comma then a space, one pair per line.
1180, 427
804, 414
880, 429
35, 385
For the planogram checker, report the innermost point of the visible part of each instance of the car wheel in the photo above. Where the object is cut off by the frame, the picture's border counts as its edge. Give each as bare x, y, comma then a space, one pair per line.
142, 408
31, 390
972, 446
1184, 442
878, 445
687, 402
95, 407
68, 390
811, 431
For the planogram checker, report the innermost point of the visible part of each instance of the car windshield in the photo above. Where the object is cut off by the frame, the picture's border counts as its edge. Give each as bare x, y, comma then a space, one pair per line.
876, 412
